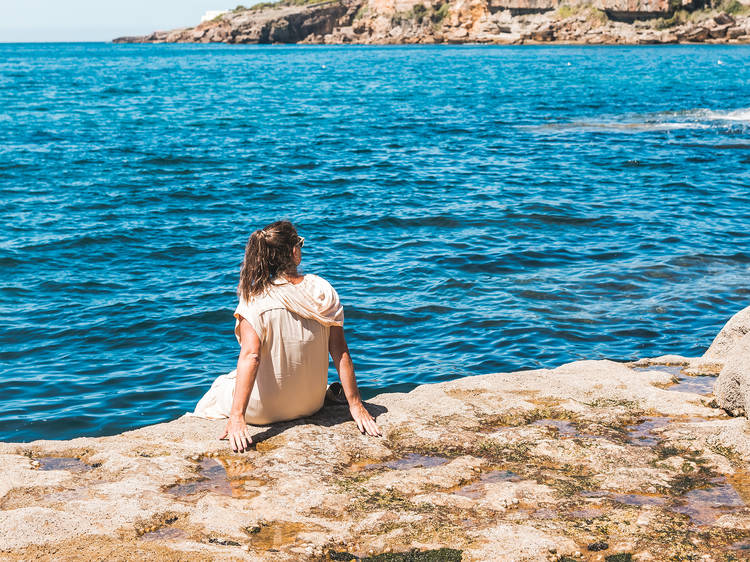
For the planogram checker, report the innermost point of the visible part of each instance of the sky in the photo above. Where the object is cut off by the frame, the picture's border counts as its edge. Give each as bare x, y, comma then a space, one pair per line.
99, 20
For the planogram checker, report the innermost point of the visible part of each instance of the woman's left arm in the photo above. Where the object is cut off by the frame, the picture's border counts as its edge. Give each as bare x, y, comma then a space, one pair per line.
247, 368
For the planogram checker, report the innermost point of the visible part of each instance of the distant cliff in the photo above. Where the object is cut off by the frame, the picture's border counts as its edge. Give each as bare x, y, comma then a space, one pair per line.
470, 21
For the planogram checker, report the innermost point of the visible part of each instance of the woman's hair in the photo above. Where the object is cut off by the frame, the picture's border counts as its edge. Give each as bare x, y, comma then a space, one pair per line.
269, 253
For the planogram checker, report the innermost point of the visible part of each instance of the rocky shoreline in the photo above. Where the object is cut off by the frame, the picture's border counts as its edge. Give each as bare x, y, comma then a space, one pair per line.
503, 22
593, 460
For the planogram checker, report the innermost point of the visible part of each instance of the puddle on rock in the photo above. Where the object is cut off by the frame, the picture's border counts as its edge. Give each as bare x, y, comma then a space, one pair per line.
414, 460
70, 464
277, 534
639, 500
675, 370
707, 505
476, 490
643, 434
546, 513
213, 478
564, 427
698, 384
703, 506
740, 481
164, 534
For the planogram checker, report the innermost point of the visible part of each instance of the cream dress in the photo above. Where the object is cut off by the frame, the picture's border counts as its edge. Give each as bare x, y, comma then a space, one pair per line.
293, 324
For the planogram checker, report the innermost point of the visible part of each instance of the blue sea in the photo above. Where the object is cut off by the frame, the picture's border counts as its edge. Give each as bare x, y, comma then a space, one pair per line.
479, 209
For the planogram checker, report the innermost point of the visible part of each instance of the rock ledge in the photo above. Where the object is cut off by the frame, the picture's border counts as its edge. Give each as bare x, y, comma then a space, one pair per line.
588, 460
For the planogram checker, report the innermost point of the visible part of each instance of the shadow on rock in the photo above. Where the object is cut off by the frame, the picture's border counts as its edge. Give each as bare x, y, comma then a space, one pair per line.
328, 416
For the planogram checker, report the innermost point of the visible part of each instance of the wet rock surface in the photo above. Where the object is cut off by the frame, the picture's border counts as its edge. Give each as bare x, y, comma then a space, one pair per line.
467, 21
589, 460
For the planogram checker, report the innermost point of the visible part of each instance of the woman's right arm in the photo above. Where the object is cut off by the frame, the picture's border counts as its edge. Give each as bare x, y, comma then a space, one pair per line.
247, 369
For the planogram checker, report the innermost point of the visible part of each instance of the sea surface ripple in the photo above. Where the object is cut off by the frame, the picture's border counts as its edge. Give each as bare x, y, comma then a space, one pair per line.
479, 209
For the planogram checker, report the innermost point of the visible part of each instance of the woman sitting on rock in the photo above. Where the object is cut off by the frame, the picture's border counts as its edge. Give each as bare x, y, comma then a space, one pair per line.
286, 324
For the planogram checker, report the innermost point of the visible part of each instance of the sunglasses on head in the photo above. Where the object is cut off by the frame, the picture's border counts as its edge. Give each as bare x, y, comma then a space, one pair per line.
300, 242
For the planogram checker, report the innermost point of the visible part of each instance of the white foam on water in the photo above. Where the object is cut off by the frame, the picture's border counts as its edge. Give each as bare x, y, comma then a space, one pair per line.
735, 115
663, 121
667, 126
708, 115
691, 117
626, 127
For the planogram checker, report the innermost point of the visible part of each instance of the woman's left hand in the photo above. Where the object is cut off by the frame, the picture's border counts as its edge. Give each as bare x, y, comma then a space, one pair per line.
365, 421
239, 435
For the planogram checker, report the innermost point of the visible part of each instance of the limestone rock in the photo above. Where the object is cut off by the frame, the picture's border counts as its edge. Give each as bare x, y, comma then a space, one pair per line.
735, 32
720, 30
504, 463
724, 19
649, 39
457, 36
732, 388
525, 542
543, 33
696, 34
174, 36
732, 332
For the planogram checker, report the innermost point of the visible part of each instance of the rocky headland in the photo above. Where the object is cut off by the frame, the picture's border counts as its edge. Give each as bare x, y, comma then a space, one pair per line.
593, 460
471, 21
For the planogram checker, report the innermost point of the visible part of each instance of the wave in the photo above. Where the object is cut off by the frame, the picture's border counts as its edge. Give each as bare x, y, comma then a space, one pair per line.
712, 115
701, 118
626, 127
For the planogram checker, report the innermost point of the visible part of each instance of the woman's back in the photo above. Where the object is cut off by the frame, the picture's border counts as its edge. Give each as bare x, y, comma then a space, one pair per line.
293, 370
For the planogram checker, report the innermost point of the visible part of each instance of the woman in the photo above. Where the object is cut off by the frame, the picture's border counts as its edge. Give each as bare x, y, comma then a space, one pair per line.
286, 325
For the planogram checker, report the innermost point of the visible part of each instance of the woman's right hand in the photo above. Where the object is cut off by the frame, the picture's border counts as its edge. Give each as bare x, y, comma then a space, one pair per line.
365, 421
239, 435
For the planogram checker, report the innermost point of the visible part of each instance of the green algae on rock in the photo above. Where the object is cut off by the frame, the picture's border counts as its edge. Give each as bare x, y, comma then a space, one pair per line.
438, 555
